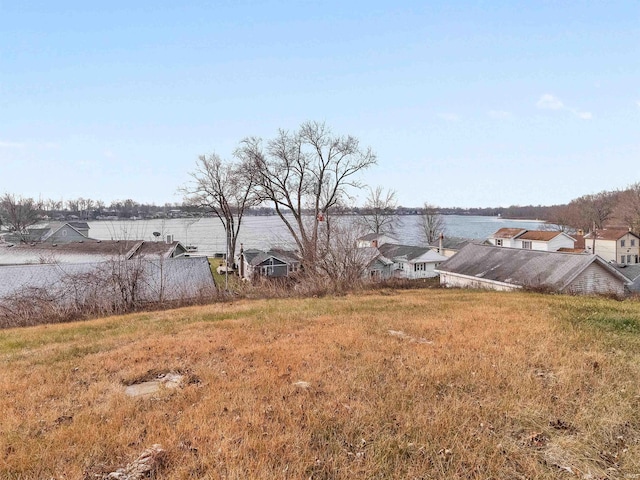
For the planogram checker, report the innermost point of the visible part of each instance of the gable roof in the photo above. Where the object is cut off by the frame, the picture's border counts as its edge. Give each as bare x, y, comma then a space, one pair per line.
53, 228
410, 253
542, 235
255, 257
523, 267
508, 233
610, 234
452, 243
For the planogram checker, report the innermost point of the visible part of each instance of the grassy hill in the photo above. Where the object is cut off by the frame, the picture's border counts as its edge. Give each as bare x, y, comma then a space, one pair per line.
390, 384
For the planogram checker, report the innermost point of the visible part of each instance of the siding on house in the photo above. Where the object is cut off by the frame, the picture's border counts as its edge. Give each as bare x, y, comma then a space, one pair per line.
615, 245
595, 280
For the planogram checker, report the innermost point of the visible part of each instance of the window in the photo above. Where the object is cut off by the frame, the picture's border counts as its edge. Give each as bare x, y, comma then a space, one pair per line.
621, 258
419, 267
622, 243
498, 242
526, 244
628, 258
633, 242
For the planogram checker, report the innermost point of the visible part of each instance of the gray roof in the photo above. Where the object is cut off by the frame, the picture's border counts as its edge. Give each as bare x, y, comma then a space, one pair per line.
522, 267
452, 243
256, 257
632, 272
407, 252
87, 251
168, 279
374, 236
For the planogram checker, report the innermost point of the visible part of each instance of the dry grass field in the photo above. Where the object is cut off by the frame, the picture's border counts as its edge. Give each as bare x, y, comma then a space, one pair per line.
414, 384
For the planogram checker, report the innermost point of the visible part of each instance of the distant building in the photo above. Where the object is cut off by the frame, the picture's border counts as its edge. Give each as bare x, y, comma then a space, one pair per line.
54, 232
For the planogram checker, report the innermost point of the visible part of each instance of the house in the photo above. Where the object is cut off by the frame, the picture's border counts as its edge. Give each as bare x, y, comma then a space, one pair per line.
505, 237
271, 263
488, 266
375, 240
614, 245
411, 262
54, 232
448, 246
543, 240
86, 251
377, 266
155, 280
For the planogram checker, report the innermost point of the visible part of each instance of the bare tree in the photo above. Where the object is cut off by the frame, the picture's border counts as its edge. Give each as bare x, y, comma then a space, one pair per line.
558, 218
593, 210
305, 174
431, 223
18, 213
627, 210
343, 264
378, 215
224, 188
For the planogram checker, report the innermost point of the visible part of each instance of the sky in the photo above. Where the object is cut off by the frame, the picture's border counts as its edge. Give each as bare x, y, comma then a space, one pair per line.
466, 103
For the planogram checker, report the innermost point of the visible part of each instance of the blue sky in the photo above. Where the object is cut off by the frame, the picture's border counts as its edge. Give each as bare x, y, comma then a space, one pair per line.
465, 103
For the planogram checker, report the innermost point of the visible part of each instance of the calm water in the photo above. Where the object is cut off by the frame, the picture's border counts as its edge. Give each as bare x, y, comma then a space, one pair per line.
263, 232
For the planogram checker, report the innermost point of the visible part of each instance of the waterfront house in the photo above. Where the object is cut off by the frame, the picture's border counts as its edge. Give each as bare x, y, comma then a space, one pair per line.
488, 266
410, 261
375, 240
617, 245
54, 232
271, 263
543, 240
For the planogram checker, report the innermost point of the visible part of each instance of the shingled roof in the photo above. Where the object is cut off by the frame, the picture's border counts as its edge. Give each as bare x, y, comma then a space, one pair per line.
170, 279
86, 251
522, 267
610, 234
508, 233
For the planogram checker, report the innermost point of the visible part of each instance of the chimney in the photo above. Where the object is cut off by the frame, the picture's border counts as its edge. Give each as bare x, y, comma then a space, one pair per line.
440, 243
374, 243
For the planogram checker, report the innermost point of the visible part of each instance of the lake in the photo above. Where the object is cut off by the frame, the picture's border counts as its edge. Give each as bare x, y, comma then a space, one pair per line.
268, 231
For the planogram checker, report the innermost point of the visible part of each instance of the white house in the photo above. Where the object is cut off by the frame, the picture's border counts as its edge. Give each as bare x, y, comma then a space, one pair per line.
618, 245
412, 262
375, 240
546, 241
506, 237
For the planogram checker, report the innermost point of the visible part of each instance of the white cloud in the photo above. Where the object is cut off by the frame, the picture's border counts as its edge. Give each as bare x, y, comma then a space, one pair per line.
499, 114
550, 102
449, 117
583, 115
11, 144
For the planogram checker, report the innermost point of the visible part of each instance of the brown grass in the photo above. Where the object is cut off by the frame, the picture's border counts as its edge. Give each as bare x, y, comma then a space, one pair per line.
480, 385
